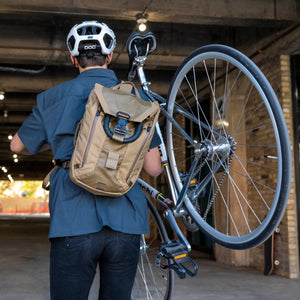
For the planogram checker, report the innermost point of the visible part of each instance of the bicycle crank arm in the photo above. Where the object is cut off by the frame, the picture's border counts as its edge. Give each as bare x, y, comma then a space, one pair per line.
178, 259
172, 222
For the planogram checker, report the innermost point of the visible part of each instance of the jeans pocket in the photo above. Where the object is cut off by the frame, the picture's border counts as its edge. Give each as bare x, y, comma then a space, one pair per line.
70, 242
78, 241
128, 245
135, 238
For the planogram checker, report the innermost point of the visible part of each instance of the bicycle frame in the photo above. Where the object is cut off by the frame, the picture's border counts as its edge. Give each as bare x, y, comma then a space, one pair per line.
178, 192
201, 150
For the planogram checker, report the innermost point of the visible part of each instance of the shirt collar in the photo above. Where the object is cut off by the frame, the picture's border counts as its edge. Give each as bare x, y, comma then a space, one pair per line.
98, 72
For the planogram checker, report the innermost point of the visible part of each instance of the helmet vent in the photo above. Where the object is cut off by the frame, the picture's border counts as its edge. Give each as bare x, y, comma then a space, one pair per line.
88, 30
71, 42
107, 40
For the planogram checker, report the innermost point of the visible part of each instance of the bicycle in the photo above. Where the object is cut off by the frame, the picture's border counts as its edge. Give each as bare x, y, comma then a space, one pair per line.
228, 173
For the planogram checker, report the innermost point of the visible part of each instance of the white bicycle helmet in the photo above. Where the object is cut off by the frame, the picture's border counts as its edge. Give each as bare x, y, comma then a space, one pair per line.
91, 31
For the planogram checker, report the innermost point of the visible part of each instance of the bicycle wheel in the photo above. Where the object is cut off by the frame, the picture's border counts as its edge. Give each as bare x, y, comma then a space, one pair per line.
233, 123
151, 281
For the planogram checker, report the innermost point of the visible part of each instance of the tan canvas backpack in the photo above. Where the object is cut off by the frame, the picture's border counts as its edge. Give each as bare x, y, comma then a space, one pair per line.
112, 139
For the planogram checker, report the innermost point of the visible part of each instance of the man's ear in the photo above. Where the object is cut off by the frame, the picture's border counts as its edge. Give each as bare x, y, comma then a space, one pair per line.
74, 61
109, 58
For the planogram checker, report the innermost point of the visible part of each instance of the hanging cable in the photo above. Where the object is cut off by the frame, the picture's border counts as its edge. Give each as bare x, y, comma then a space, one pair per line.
29, 71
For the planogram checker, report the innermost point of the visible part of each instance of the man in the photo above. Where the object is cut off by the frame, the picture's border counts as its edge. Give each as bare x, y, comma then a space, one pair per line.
85, 229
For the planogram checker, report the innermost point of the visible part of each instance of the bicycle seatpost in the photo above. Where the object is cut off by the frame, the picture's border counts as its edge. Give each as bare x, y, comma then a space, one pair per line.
139, 62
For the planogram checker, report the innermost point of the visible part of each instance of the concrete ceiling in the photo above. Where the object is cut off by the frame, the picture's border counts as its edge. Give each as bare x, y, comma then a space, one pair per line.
33, 55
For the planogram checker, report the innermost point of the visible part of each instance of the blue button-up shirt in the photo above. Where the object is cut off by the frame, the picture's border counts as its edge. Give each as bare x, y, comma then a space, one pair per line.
73, 210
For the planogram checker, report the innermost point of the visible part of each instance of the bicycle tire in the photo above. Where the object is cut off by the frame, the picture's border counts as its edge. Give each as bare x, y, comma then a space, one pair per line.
151, 281
255, 170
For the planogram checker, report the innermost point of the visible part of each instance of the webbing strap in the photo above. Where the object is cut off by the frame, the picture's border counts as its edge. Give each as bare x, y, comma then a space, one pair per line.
117, 137
46, 182
112, 160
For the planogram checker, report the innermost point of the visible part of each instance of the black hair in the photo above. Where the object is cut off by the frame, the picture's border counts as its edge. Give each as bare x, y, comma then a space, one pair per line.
90, 60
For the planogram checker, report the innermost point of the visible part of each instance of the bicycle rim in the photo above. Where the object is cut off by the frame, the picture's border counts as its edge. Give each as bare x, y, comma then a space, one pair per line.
240, 187
152, 282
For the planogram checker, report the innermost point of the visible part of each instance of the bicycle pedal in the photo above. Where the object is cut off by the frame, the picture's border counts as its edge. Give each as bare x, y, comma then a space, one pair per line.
178, 259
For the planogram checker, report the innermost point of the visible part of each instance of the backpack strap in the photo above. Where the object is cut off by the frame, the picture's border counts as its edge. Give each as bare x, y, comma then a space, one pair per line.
57, 163
127, 86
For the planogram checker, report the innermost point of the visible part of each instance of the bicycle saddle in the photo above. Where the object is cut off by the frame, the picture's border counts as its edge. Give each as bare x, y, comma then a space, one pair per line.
140, 44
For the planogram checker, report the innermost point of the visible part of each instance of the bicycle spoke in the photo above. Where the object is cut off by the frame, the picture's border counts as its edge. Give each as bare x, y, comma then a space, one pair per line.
255, 145
224, 201
152, 282
239, 203
251, 114
243, 110
153, 279
213, 96
234, 185
257, 182
258, 164
197, 106
253, 183
252, 130
236, 188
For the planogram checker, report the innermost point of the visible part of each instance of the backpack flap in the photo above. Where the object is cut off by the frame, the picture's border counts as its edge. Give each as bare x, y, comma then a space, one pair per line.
124, 112
114, 101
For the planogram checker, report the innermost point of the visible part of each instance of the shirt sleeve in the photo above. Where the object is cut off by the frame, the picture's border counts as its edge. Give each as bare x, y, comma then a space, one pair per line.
156, 141
32, 132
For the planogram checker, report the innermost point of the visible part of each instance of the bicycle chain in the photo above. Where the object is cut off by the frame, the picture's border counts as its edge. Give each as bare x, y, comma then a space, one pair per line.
195, 203
212, 200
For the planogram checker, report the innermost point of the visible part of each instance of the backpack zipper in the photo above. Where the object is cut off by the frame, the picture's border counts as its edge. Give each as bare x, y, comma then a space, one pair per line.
138, 154
88, 146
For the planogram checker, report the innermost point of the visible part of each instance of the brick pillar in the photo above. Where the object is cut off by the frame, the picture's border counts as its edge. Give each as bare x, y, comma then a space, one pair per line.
224, 255
277, 70
289, 265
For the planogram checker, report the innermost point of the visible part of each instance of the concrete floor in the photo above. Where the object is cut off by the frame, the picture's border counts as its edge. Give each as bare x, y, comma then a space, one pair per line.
24, 267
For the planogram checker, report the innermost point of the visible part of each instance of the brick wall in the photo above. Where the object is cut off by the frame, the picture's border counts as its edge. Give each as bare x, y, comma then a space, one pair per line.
287, 240
277, 70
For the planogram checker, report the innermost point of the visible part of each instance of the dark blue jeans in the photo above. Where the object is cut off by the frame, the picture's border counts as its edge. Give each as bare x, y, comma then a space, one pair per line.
74, 260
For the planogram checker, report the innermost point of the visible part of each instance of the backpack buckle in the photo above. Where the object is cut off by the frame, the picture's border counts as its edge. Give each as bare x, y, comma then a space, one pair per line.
120, 128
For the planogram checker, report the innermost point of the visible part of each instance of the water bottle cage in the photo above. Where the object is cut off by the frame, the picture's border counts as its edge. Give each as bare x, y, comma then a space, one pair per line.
178, 259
